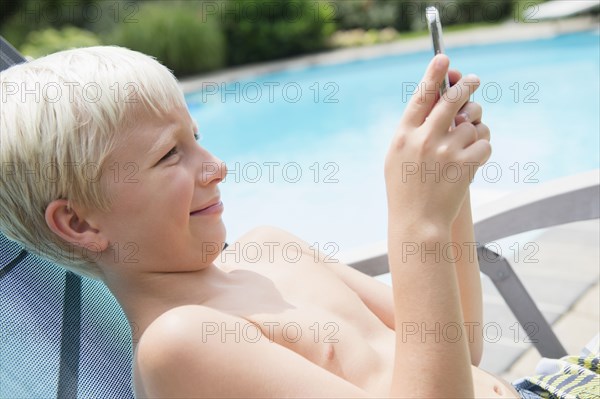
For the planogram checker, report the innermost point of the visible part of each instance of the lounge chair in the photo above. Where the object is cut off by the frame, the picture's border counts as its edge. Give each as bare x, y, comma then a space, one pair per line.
65, 336
61, 335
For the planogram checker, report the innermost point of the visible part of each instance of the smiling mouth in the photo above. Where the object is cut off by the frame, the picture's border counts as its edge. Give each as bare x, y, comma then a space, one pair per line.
214, 208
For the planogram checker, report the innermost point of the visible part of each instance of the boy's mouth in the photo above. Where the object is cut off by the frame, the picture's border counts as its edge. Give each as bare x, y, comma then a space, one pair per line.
213, 207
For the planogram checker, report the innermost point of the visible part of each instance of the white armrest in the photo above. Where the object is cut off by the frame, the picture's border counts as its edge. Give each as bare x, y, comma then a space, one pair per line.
553, 203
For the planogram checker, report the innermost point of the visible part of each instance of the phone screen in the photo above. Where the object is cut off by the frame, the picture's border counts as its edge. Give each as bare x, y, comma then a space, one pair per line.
435, 29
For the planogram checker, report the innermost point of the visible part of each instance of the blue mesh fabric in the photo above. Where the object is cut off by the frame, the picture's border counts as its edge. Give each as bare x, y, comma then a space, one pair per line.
10, 250
106, 352
31, 297
31, 320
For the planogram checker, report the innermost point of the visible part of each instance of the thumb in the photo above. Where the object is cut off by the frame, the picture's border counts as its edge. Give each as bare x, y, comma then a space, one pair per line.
427, 92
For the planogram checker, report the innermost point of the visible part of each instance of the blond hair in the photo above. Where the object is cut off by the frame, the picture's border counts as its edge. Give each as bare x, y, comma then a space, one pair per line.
60, 116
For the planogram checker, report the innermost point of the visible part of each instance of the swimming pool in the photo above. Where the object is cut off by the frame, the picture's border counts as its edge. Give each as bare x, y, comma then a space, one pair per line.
305, 147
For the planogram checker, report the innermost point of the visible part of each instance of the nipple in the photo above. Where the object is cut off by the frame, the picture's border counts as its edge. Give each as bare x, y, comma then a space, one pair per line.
498, 390
330, 352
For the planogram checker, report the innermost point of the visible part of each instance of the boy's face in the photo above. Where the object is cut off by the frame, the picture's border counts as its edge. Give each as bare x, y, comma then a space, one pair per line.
156, 177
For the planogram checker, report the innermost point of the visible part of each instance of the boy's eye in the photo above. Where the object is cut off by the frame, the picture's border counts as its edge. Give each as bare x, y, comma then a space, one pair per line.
172, 152
197, 136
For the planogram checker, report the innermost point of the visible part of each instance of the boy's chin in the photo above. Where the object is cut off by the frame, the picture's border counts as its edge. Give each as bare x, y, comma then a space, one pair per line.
217, 236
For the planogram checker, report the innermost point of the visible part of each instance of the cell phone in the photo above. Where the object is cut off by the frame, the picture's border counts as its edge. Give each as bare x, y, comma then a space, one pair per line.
435, 29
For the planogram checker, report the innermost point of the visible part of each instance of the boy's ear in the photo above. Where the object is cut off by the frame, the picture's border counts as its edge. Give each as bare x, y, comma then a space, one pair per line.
65, 222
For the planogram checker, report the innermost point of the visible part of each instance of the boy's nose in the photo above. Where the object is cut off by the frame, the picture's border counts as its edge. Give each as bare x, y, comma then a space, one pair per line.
212, 170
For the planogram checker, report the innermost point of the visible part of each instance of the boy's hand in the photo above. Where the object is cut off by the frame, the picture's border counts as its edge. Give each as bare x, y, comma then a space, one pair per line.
470, 112
428, 168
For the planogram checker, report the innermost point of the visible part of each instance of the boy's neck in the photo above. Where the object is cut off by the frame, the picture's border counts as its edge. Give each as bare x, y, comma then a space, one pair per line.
145, 296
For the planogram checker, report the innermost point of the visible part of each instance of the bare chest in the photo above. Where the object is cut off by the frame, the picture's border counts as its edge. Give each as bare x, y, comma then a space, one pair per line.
310, 311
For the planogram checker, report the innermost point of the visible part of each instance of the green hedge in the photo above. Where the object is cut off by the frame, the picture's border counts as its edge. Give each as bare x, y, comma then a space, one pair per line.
260, 30
177, 34
366, 14
192, 37
408, 15
19, 18
47, 41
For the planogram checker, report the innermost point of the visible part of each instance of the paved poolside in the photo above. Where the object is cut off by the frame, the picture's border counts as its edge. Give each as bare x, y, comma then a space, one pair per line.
565, 281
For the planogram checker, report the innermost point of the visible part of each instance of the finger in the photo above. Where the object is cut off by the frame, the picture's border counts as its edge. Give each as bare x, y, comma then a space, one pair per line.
454, 76
470, 112
447, 107
479, 152
462, 136
483, 131
426, 95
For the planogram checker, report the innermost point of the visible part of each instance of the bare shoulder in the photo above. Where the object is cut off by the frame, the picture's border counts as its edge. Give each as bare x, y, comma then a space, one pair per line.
174, 329
269, 245
170, 337
267, 233
178, 342
195, 352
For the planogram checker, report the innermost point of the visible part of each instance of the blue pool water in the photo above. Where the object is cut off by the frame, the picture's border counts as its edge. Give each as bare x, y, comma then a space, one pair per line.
305, 147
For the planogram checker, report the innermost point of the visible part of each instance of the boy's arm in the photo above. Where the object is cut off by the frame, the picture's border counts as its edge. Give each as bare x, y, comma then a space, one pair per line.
464, 249
469, 279
377, 296
421, 212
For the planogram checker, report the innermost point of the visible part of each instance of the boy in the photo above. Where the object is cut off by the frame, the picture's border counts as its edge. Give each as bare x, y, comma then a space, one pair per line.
109, 130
